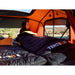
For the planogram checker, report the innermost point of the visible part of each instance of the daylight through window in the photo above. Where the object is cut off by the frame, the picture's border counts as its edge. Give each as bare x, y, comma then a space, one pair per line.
57, 31
9, 32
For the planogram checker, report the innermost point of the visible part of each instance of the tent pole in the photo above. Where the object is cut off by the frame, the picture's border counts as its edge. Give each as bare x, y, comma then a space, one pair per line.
42, 19
53, 23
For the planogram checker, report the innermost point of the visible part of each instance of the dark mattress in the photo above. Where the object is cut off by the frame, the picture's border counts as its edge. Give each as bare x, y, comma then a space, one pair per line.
15, 55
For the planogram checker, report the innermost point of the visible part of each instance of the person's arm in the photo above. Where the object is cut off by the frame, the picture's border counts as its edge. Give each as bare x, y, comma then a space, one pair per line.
16, 42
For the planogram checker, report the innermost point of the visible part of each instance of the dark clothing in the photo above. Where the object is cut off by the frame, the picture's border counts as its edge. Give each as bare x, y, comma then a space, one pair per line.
22, 30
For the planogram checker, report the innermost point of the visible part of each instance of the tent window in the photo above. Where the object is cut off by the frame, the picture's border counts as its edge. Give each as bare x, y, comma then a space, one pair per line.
9, 32
57, 31
48, 30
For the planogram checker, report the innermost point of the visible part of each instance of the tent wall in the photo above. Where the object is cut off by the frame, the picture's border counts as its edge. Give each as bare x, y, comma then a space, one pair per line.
38, 18
50, 17
71, 19
33, 25
60, 21
72, 36
11, 22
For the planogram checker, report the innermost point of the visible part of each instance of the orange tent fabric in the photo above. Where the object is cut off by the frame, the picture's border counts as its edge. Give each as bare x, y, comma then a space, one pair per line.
6, 41
38, 18
72, 27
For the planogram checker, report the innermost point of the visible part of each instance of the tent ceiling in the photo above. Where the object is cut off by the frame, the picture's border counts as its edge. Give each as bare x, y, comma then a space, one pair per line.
13, 13
9, 22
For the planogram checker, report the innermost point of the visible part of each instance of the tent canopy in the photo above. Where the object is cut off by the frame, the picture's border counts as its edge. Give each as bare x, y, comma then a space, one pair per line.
40, 17
11, 18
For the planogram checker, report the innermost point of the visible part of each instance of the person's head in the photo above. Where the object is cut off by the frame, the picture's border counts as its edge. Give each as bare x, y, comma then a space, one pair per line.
25, 25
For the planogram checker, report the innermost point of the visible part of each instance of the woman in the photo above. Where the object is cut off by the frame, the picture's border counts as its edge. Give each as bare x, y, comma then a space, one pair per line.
25, 27
25, 31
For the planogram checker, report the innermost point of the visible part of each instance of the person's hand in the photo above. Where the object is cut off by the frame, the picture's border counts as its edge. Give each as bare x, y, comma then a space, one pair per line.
18, 43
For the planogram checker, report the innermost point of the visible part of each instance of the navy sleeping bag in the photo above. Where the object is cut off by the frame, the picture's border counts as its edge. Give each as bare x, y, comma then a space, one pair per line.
39, 45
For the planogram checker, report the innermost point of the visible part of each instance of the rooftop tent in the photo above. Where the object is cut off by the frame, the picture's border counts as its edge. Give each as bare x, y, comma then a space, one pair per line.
51, 17
38, 18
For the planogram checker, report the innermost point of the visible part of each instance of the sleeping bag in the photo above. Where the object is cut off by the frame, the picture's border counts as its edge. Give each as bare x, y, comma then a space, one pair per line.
40, 45
52, 49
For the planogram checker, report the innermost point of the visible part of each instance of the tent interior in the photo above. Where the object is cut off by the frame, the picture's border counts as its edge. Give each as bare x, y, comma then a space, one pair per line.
38, 19
45, 22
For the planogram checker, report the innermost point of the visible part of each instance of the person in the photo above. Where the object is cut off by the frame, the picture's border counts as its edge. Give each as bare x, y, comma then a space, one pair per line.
25, 27
25, 30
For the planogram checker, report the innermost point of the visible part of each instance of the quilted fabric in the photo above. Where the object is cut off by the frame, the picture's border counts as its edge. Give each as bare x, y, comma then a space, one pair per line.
15, 55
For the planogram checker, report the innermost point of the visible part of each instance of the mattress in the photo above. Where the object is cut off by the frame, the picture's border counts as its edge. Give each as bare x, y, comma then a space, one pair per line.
15, 55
